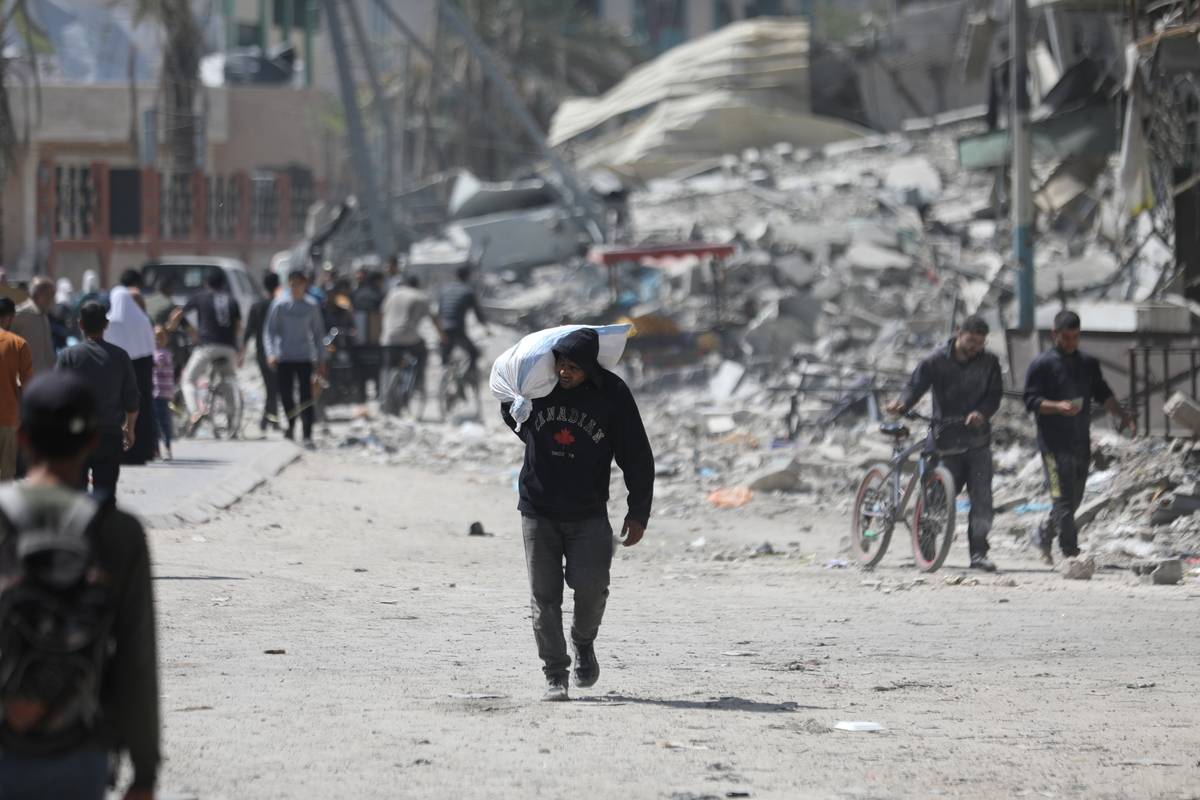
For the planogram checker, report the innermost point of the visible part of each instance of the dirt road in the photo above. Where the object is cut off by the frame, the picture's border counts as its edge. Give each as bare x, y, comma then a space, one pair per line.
338, 634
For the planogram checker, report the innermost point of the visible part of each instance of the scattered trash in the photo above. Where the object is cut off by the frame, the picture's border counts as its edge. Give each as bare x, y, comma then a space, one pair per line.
858, 726
731, 498
668, 745
1140, 685
836, 563
739, 653
275, 652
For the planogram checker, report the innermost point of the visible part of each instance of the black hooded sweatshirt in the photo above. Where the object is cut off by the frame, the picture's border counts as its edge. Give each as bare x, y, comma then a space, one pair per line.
572, 437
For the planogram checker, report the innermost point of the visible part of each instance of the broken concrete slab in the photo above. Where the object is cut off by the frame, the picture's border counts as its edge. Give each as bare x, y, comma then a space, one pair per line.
783, 476
1092, 508
796, 270
914, 181
1173, 507
1078, 569
1183, 412
726, 380
871, 258
1166, 572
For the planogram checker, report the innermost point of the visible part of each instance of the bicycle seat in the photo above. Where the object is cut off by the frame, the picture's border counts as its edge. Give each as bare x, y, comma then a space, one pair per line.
896, 430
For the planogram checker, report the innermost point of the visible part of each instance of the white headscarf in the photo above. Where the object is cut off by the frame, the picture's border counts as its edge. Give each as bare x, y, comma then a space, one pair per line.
128, 326
91, 282
64, 294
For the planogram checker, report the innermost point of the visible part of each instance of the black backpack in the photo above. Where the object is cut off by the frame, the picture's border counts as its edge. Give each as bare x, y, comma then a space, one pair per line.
56, 615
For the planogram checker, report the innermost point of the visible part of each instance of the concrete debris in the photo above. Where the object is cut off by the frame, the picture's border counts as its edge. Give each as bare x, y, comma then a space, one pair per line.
1183, 412
1167, 572
1078, 569
785, 476
781, 295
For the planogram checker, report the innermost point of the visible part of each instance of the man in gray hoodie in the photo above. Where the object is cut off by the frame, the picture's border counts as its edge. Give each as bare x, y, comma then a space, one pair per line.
295, 342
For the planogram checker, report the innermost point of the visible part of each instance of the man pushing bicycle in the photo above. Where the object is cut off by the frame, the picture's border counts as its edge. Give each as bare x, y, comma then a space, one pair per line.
966, 384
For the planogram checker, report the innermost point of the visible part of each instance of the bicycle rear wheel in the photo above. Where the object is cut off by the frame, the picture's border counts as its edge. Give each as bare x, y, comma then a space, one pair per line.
452, 390
871, 519
224, 411
933, 531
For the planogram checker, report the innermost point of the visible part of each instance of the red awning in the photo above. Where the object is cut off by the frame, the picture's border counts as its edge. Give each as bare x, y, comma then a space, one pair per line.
606, 256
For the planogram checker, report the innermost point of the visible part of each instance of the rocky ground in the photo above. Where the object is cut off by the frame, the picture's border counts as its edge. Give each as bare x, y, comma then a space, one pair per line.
338, 633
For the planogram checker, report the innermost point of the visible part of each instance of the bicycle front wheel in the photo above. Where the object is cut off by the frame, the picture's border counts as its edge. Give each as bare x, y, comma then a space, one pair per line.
871, 520
933, 517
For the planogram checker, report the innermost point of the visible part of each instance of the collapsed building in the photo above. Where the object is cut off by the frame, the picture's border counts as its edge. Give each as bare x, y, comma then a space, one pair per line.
786, 270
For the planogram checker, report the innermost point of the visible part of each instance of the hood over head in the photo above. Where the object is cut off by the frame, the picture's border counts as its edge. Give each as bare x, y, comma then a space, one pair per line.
583, 347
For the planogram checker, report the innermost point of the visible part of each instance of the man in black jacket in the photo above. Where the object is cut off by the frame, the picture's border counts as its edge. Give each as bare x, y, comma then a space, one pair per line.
255, 323
107, 369
1060, 386
966, 385
571, 439
60, 423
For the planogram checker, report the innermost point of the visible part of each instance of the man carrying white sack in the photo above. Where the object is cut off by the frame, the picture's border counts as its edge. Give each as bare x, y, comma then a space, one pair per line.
571, 438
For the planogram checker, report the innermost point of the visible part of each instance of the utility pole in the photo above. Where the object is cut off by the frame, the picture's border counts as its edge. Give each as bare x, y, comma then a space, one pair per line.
288, 22
1022, 167
382, 235
310, 20
379, 103
576, 196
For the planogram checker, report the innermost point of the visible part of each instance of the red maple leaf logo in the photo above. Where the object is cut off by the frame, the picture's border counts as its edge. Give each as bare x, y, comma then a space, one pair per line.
564, 437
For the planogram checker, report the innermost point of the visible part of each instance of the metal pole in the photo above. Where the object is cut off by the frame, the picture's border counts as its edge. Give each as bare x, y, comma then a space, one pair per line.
264, 27
378, 104
310, 20
402, 114
435, 66
230, 26
380, 226
575, 193
1022, 167
288, 21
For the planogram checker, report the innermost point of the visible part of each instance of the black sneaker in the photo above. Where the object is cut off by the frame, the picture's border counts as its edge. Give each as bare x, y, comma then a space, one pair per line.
587, 668
982, 562
556, 689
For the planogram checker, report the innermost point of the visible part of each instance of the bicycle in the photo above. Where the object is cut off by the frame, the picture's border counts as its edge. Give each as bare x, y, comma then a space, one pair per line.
457, 382
881, 500
402, 385
221, 404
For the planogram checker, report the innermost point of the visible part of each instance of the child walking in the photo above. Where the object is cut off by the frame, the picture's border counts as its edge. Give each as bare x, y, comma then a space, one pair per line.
164, 389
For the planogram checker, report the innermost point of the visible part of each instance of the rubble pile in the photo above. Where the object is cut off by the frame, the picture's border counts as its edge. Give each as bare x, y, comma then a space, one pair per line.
761, 374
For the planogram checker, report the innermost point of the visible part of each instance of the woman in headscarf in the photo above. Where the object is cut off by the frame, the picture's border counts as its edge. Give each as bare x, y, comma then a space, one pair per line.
90, 291
62, 313
129, 328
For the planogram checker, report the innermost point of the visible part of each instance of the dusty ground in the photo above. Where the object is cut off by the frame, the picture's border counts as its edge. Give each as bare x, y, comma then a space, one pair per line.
393, 622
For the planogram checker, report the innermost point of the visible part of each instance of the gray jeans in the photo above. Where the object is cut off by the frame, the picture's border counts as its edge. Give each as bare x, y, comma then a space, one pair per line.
972, 471
587, 547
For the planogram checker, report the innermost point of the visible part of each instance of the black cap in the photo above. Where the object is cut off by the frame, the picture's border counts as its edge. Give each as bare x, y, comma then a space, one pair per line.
58, 414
